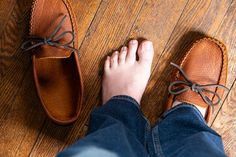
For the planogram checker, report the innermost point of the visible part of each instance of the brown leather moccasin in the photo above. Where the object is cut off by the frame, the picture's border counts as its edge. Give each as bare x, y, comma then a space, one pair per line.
201, 76
53, 42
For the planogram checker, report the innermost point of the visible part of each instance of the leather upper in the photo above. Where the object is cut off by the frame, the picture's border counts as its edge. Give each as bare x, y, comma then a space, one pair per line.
203, 65
43, 23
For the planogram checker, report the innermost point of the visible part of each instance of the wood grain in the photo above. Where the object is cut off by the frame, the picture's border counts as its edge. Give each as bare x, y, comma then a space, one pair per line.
226, 33
85, 11
20, 128
5, 14
225, 121
152, 23
105, 26
14, 63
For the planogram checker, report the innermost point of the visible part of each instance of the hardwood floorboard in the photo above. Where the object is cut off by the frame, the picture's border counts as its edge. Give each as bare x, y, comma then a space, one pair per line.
104, 26
226, 33
21, 127
224, 123
13, 69
9, 4
85, 11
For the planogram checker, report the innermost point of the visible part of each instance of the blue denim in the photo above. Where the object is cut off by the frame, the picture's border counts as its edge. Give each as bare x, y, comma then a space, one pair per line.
119, 129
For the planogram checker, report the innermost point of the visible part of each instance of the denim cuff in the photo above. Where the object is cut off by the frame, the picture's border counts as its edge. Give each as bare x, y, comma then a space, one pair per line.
184, 105
121, 107
126, 98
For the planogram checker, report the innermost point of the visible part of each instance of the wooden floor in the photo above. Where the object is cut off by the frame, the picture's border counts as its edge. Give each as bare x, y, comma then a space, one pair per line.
105, 25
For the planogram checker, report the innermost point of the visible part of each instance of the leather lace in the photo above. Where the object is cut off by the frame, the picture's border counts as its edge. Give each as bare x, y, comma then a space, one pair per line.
187, 84
53, 40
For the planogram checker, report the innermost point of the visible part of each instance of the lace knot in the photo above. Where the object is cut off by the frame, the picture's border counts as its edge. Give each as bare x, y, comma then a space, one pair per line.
46, 41
186, 84
52, 40
194, 87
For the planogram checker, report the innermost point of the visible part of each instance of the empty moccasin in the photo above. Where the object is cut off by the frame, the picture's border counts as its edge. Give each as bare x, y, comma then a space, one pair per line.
53, 43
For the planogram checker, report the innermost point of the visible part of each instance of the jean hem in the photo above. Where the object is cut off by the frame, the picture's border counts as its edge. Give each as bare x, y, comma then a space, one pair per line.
126, 98
183, 105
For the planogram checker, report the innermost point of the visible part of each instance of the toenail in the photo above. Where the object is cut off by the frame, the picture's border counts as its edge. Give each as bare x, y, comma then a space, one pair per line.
133, 41
124, 48
147, 45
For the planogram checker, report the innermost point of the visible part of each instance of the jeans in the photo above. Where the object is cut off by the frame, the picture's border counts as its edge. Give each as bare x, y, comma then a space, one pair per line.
119, 129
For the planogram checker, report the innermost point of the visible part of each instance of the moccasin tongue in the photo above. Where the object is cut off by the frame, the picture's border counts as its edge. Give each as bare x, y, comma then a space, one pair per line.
47, 51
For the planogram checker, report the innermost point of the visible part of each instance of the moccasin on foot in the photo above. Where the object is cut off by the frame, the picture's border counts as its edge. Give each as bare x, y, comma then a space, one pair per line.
201, 76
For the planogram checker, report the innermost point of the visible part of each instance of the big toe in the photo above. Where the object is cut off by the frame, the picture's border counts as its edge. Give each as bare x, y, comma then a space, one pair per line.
146, 52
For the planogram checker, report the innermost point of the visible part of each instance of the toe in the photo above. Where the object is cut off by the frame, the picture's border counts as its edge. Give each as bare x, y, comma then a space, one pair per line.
107, 64
122, 55
131, 56
145, 52
114, 59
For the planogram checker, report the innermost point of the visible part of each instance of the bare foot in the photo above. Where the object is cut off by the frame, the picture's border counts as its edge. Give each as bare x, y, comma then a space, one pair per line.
124, 74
